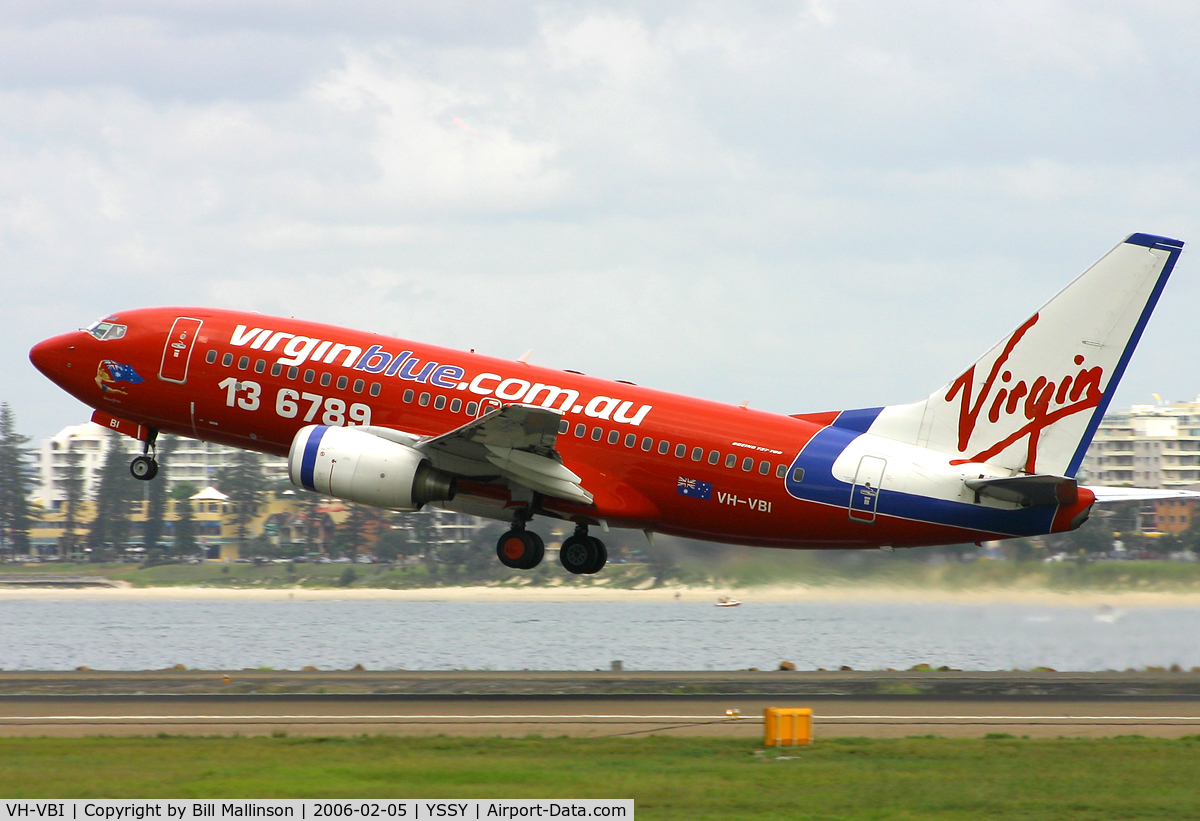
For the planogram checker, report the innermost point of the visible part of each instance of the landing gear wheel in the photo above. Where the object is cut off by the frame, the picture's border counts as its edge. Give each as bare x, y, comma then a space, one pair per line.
144, 468
520, 549
601, 556
582, 554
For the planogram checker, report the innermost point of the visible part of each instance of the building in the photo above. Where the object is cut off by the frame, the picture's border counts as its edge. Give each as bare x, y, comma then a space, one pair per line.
191, 461
1155, 446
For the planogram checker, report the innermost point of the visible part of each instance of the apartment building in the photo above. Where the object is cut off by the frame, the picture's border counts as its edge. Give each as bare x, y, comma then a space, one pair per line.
192, 461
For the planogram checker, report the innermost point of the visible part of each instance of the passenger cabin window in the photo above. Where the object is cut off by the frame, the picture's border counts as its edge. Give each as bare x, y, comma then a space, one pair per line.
613, 437
359, 384
408, 395
748, 463
780, 471
663, 446
563, 425
798, 475
764, 467
260, 365
276, 369
227, 360
326, 378
293, 373
472, 408
580, 430
630, 440
714, 457
439, 403
243, 363
376, 388
697, 454
424, 400
310, 375
647, 443
680, 449
597, 434
342, 382
210, 357
730, 460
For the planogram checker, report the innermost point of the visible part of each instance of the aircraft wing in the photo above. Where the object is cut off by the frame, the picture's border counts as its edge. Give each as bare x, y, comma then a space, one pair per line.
515, 442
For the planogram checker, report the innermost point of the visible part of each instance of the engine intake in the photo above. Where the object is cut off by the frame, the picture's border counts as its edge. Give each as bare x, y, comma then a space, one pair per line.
351, 464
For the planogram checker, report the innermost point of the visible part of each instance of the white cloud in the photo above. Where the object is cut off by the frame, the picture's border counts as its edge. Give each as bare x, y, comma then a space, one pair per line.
807, 205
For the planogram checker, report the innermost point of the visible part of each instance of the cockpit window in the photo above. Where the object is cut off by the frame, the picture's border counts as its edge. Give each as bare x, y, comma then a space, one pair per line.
106, 330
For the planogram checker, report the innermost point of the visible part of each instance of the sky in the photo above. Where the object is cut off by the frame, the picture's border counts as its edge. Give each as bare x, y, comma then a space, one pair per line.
808, 205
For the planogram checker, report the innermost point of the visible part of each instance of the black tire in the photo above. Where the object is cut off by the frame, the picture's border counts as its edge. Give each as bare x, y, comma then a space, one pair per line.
517, 548
537, 553
143, 468
578, 553
601, 557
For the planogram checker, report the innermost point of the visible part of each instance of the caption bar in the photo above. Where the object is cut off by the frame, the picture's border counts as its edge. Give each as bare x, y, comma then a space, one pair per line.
304, 809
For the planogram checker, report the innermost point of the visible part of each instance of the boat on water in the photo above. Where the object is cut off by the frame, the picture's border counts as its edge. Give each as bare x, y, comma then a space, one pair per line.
726, 601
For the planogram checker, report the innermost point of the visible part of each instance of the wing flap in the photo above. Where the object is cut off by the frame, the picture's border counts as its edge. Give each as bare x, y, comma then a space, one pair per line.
516, 442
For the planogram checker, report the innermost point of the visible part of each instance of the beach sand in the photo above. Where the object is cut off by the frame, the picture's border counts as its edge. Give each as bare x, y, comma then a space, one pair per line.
748, 596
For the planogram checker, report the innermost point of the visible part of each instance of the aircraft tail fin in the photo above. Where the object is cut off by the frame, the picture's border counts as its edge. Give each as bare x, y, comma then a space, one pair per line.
1032, 403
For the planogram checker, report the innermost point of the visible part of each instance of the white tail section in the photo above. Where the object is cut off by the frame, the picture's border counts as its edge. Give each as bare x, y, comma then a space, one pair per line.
1032, 403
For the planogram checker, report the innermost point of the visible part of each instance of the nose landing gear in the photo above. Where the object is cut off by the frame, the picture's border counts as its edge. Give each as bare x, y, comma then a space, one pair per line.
145, 467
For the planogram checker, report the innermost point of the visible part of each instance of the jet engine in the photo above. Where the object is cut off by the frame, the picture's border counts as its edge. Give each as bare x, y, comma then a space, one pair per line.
359, 466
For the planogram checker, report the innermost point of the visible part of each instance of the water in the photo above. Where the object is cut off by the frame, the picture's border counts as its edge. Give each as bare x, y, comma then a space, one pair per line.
41, 634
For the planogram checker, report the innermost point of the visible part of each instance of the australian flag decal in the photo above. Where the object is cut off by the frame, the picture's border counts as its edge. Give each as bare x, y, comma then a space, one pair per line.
109, 373
694, 488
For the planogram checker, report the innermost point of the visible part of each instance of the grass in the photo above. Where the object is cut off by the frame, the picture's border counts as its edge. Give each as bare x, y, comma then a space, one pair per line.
696, 778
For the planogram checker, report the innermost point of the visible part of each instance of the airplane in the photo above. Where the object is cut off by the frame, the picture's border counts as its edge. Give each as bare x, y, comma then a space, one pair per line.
992, 454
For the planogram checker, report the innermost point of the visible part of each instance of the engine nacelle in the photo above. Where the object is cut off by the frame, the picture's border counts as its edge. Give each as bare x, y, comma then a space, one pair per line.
351, 464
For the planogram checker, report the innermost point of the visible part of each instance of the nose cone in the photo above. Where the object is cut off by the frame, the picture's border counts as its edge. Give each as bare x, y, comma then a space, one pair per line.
51, 356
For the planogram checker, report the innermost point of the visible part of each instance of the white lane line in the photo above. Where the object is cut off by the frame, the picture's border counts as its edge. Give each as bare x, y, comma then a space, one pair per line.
927, 719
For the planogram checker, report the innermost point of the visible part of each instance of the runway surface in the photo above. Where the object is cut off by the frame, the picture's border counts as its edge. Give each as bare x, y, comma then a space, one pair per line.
730, 716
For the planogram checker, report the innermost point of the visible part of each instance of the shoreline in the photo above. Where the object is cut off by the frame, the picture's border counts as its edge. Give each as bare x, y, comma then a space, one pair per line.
777, 594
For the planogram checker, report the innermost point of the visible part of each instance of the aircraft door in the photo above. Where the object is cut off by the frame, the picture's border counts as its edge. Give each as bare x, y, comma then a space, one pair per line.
177, 352
864, 496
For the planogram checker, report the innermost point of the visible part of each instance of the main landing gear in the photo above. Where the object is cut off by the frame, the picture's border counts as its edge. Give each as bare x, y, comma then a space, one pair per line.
523, 549
520, 548
145, 467
581, 553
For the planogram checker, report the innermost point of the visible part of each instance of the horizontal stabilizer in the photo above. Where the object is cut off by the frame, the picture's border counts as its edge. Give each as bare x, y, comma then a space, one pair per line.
1139, 494
1027, 490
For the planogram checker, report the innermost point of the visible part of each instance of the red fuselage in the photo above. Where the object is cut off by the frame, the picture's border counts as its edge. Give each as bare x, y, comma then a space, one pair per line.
252, 381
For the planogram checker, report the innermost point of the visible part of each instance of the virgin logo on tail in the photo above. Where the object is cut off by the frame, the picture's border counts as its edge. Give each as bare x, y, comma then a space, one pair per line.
1042, 403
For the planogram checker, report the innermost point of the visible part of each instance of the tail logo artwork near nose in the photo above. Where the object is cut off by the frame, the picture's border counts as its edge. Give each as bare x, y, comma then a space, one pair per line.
109, 373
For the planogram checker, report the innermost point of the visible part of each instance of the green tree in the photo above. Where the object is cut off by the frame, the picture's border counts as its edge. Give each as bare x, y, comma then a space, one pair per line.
116, 489
156, 495
353, 534
243, 482
392, 542
185, 525
72, 483
16, 480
